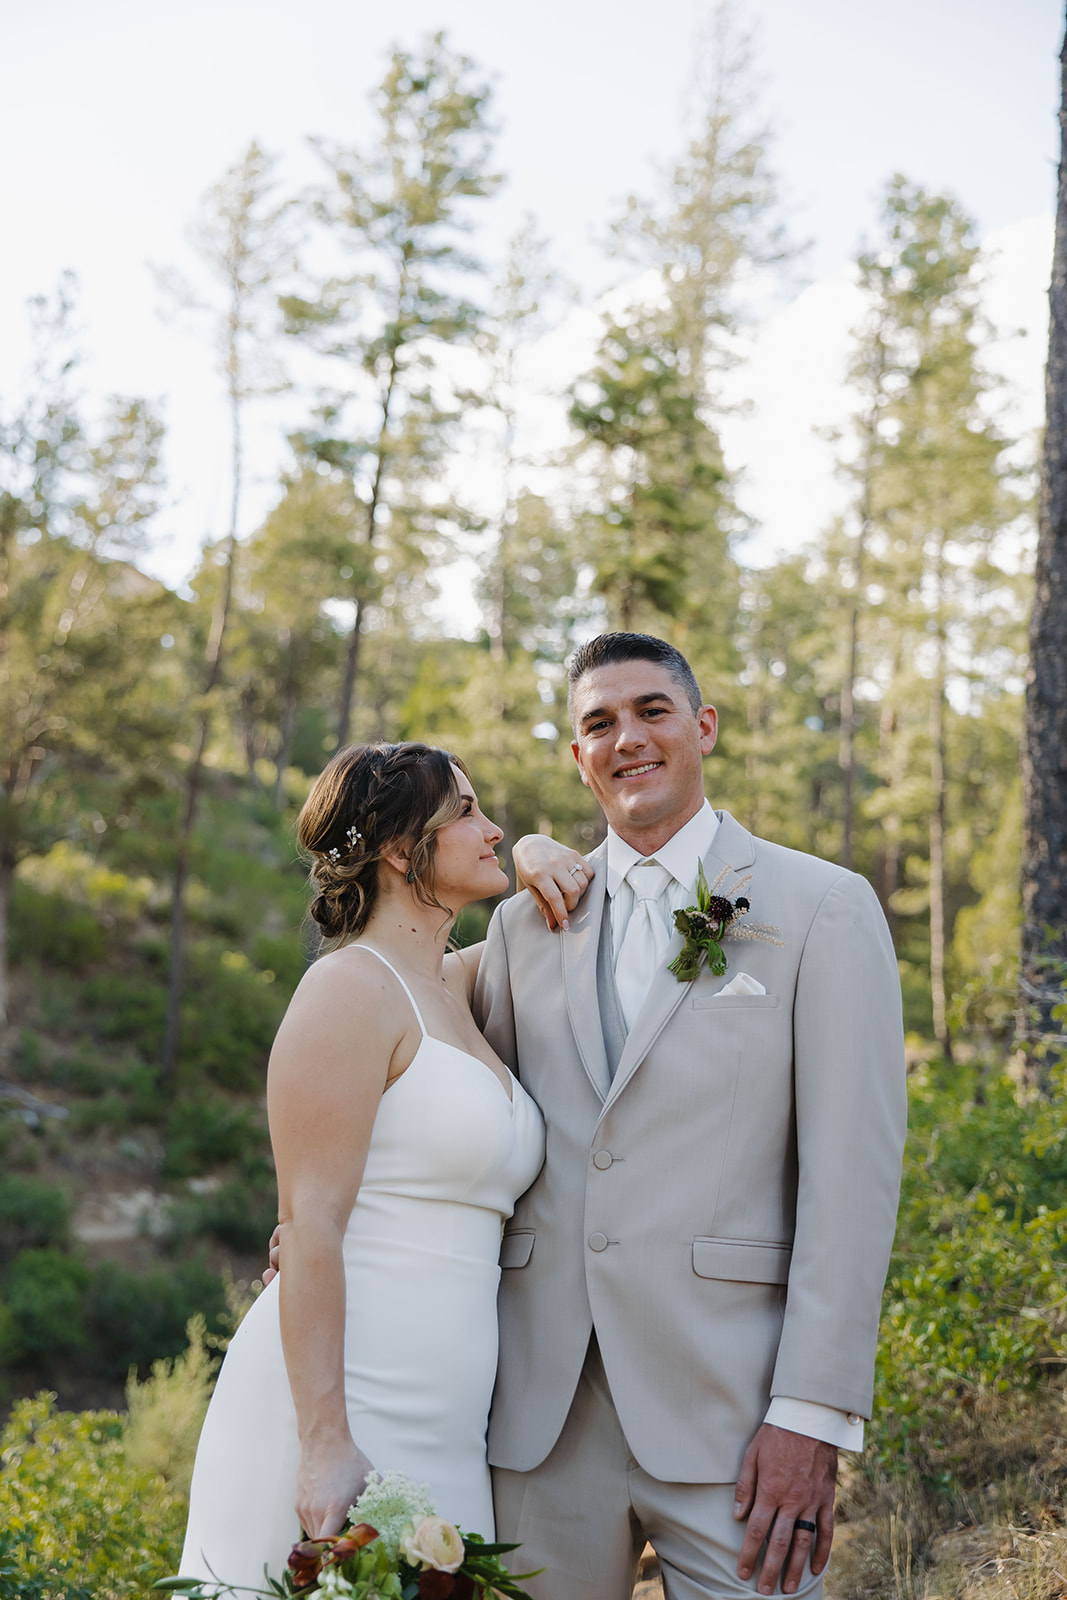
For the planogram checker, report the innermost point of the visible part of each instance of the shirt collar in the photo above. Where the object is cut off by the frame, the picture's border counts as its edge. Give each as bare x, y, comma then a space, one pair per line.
679, 855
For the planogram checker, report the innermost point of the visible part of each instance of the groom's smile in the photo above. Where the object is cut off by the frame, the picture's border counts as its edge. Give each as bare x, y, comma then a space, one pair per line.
640, 746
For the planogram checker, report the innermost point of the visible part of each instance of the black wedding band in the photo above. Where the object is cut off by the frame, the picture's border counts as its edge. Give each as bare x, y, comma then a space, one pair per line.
809, 1527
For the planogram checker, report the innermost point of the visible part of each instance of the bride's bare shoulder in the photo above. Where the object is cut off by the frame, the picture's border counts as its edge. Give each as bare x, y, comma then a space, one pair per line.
349, 983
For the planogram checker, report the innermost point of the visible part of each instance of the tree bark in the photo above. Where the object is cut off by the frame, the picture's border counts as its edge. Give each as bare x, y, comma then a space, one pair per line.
194, 779
355, 638
1044, 764
937, 857
7, 883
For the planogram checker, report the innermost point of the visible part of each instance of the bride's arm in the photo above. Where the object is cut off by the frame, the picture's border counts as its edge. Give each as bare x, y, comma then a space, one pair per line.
322, 1097
555, 875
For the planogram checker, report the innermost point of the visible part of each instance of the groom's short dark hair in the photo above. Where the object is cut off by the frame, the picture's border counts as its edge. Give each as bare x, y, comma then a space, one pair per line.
608, 649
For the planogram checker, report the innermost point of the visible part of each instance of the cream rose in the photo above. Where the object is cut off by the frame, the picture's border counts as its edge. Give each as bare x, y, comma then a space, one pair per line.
434, 1543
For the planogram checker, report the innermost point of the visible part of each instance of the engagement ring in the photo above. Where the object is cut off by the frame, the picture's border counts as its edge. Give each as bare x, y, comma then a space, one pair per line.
576, 869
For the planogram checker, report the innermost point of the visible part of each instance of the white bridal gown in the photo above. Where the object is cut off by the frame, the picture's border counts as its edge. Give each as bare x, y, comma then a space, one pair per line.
450, 1152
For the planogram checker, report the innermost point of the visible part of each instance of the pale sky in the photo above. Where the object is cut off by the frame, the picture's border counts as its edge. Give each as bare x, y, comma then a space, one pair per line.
116, 115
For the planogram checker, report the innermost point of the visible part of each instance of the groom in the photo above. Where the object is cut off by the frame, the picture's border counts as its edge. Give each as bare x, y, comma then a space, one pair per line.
690, 1290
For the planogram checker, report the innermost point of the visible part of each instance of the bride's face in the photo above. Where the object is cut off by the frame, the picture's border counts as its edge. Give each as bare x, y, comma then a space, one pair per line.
465, 863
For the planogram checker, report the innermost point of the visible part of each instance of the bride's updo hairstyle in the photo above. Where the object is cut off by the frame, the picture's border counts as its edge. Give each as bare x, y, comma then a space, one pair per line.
371, 798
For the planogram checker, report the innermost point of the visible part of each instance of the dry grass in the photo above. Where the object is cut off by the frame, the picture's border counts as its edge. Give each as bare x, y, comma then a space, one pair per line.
981, 1518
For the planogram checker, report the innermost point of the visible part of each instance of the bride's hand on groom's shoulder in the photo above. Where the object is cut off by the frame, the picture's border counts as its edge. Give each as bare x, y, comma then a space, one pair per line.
330, 1479
555, 875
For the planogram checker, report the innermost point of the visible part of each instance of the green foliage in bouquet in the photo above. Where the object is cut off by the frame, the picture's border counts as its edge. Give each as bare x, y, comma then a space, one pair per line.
412, 1555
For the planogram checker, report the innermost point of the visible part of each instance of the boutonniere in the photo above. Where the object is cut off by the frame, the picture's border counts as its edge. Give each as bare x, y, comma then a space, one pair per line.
707, 923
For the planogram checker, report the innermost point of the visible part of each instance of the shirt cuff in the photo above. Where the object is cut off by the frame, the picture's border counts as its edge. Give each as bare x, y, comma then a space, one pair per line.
841, 1428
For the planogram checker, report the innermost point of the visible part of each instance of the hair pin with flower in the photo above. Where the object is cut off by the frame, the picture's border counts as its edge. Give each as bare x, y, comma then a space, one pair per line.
353, 836
713, 918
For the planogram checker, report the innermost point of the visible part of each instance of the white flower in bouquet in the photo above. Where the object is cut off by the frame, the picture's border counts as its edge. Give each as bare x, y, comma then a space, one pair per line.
333, 1582
394, 1505
434, 1543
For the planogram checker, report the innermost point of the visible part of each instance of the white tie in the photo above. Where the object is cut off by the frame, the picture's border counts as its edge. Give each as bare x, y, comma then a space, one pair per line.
644, 943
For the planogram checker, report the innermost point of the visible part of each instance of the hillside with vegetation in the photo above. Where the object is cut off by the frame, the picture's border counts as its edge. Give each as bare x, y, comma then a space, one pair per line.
155, 746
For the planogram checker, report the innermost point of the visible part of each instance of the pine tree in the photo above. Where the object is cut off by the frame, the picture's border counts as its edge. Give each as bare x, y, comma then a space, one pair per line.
395, 214
935, 488
243, 239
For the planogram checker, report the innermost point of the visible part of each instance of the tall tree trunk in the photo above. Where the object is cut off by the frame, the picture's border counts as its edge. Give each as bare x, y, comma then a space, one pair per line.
1044, 935
891, 762
194, 778
286, 730
847, 748
937, 856
7, 883
355, 638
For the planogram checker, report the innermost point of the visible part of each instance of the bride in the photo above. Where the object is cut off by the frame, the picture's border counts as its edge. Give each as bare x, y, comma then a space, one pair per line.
401, 1143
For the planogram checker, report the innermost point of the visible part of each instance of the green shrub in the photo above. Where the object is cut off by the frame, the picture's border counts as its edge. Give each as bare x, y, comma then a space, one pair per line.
33, 1215
126, 1006
135, 1318
29, 1053
76, 875
166, 1411
113, 1111
976, 1302
230, 1017
43, 1292
241, 1213
53, 930
79, 1521
282, 954
84, 1072
204, 1131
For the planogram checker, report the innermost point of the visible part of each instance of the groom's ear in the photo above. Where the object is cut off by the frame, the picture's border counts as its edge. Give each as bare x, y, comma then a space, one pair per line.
576, 753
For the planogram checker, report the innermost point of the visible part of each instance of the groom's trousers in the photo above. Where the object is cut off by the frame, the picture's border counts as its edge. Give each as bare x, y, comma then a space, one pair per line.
585, 1514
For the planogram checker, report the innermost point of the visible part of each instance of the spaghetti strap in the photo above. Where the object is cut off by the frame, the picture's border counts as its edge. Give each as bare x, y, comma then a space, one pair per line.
400, 981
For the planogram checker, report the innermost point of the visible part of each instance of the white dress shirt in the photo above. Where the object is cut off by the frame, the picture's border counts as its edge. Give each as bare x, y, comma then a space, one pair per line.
679, 856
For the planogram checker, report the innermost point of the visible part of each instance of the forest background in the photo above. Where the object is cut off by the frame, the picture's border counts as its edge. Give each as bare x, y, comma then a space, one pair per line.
158, 738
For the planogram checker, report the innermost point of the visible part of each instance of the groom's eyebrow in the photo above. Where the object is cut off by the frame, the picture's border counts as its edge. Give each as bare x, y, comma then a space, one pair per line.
639, 700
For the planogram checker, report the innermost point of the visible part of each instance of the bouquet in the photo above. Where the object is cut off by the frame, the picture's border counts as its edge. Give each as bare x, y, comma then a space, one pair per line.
393, 1546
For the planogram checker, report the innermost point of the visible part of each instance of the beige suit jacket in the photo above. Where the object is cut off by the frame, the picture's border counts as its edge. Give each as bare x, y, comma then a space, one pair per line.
722, 1211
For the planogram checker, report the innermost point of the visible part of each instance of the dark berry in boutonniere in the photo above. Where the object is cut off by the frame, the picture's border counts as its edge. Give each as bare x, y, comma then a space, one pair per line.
704, 925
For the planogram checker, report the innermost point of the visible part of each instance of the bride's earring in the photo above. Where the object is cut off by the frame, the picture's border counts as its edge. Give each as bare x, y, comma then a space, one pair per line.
410, 876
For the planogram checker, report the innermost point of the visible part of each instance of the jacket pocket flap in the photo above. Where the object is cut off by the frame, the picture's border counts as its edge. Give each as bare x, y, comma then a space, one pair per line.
517, 1248
741, 1261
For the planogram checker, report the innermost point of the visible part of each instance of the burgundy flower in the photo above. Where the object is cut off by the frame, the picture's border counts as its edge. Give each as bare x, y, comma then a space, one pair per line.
351, 1541
305, 1562
436, 1585
464, 1589
719, 909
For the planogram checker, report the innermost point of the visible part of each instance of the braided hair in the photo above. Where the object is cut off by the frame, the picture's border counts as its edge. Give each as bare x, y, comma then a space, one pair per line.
369, 799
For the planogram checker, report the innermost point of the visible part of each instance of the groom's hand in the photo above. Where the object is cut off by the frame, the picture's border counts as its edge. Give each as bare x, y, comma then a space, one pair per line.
274, 1256
785, 1476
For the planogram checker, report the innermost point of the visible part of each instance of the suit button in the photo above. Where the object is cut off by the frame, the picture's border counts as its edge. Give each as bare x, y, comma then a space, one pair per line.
855, 1419
598, 1241
602, 1160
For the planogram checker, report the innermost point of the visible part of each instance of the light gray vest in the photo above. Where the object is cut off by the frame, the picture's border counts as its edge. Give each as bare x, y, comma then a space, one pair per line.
612, 1021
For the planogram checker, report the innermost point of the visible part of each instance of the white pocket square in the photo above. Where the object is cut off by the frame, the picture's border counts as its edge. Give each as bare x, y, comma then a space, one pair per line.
742, 984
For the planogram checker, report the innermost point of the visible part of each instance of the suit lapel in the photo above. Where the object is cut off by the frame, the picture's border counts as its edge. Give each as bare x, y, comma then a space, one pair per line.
732, 849
578, 954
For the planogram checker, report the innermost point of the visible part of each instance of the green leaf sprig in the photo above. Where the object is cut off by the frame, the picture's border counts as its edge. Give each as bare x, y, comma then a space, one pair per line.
703, 926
